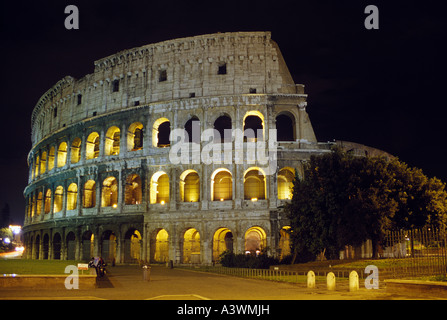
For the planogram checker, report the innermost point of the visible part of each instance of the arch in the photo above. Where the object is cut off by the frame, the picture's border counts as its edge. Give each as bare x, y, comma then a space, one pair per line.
132, 246
108, 246
45, 246
254, 184
160, 247
37, 167
87, 250
39, 203
159, 192
51, 154
112, 141
57, 246
133, 192
255, 240
37, 247
43, 162
72, 196
135, 136
58, 199
70, 240
285, 179
191, 246
76, 150
222, 241
62, 154
192, 130
109, 193
284, 242
253, 126
221, 185
89, 197
160, 133
223, 127
47, 205
285, 126
190, 186
92, 146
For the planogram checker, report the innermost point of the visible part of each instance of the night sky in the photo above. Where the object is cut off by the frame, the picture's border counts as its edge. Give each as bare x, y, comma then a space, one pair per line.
384, 88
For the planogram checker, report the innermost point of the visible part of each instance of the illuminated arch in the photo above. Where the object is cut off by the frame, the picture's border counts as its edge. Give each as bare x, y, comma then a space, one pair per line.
191, 246
159, 192
109, 194
255, 240
51, 154
92, 146
135, 137
190, 186
160, 249
58, 199
112, 141
43, 162
254, 184
89, 198
253, 120
76, 150
285, 183
72, 196
221, 185
62, 154
222, 241
47, 205
133, 193
132, 246
160, 133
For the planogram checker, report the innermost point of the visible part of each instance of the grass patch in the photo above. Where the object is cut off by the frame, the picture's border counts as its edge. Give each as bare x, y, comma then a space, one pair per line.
388, 263
25, 266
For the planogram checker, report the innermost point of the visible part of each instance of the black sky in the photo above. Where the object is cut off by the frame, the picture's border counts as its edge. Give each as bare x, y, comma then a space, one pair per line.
384, 88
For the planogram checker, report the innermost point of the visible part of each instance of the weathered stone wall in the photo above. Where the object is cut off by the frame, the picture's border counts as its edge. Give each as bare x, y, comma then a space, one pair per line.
93, 190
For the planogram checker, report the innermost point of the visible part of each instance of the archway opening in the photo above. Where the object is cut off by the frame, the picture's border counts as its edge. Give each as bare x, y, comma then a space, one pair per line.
285, 127
87, 245
161, 247
108, 246
109, 194
133, 192
132, 246
72, 196
222, 185
255, 240
222, 241
191, 246
190, 186
285, 183
160, 133
192, 130
71, 246
57, 246
90, 194
112, 141
223, 127
159, 188
254, 185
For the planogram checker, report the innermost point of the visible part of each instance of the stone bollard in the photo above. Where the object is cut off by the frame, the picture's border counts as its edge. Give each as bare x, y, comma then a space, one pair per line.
331, 281
311, 280
353, 281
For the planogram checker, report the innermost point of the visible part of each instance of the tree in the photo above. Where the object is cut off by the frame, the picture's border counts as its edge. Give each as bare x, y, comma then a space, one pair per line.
345, 200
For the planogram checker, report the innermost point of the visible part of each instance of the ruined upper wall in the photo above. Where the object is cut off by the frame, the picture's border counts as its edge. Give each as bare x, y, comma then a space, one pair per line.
231, 63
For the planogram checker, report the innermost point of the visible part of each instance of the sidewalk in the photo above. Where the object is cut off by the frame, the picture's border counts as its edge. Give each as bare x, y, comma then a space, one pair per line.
126, 283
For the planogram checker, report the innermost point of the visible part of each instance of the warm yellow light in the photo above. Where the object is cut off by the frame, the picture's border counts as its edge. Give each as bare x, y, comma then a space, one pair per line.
221, 199
162, 202
254, 199
115, 205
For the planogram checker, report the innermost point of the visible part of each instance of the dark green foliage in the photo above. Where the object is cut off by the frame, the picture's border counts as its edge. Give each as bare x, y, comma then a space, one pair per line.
261, 261
345, 200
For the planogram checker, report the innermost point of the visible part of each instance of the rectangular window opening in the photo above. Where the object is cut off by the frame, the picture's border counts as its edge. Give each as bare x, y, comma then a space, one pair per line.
162, 76
222, 69
115, 85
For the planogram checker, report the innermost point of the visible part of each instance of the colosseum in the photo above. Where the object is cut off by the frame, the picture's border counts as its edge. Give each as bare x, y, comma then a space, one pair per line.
102, 180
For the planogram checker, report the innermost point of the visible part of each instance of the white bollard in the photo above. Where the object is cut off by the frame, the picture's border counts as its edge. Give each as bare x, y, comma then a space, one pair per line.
311, 279
353, 281
331, 281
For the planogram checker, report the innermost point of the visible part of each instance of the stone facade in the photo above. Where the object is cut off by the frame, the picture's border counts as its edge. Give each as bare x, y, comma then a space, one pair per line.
101, 180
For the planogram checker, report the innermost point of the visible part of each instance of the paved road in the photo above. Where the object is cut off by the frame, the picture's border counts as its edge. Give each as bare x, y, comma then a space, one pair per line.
126, 282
